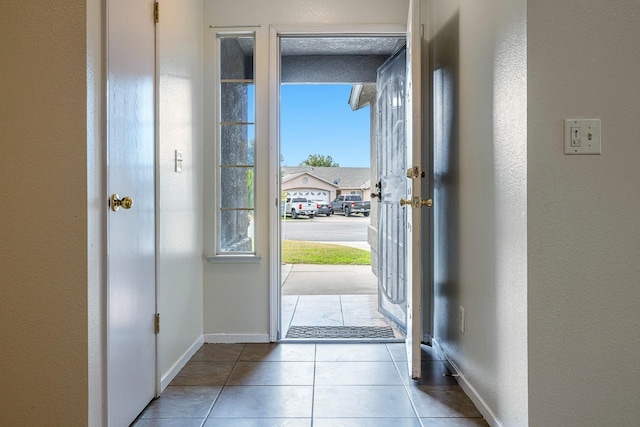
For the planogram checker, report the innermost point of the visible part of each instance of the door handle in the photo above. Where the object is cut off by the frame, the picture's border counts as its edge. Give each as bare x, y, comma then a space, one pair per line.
416, 202
117, 203
378, 195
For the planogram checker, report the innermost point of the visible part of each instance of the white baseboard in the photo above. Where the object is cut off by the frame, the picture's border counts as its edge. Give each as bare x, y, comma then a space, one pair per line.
169, 376
235, 338
469, 390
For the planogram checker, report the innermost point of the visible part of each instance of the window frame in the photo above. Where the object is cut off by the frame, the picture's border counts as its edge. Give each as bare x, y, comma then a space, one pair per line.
220, 254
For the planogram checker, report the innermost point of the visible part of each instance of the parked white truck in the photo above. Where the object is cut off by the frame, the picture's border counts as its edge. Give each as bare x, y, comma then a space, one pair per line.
300, 206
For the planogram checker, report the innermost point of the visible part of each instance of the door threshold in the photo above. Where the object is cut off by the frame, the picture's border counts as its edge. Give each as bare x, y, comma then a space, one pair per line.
341, 340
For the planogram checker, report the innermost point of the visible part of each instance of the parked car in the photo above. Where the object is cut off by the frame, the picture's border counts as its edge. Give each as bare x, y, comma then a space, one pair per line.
349, 204
299, 206
324, 208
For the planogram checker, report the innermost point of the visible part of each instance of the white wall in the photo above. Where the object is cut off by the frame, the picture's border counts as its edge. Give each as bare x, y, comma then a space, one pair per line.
478, 58
236, 296
584, 269
180, 261
43, 222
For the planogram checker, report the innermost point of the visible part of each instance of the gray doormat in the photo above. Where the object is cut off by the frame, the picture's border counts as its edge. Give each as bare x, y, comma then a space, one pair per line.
340, 332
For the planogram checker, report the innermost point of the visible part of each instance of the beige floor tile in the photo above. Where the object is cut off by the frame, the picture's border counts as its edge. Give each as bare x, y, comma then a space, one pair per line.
272, 373
183, 402
258, 422
279, 385
218, 353
454, 422
357, 373
434, 372
279, 352
442, 401
361, 402
263, 402
398, 351
352, 353
368, 422
204, 373
168, 422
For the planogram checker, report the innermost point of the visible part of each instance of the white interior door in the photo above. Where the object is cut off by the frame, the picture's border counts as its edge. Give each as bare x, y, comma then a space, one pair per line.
131, 288
401, 178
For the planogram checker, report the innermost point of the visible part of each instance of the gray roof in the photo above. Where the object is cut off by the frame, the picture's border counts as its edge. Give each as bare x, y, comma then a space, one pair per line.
342, 177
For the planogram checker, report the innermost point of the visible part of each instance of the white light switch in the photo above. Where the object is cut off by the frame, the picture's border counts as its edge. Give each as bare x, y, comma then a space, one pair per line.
582, 136
178, 161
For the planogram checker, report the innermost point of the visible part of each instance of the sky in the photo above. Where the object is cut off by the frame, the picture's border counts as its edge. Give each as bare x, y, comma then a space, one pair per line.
317, 119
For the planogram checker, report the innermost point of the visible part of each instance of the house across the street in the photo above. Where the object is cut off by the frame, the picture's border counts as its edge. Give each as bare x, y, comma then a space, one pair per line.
325, 183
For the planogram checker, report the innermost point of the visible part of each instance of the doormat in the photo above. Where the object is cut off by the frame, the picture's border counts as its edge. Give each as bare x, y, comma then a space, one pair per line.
340, 332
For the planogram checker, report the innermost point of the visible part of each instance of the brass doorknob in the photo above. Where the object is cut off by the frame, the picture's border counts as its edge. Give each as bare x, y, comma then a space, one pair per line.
417, 202
117, 203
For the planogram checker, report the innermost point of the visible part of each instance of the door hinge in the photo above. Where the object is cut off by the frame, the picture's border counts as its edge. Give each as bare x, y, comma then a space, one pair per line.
415, 172
156, 12
156, 323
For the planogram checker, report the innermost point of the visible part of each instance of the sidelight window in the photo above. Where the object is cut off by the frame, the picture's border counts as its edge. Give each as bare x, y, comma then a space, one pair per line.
235, 128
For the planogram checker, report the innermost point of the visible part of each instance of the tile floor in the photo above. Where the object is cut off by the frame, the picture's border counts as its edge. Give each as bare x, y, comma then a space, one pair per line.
332, 310
312, 385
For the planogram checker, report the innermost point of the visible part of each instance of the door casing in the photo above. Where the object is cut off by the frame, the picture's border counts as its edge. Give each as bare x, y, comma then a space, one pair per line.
274, 138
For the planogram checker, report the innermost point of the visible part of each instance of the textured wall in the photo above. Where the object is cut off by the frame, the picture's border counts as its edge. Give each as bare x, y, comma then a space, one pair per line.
43, 224
584, 345
478, 66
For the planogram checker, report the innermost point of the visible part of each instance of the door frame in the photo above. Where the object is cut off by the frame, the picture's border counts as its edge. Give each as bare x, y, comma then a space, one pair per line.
275, 32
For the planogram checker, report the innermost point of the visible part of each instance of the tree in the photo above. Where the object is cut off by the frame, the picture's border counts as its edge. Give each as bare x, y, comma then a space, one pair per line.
319, 160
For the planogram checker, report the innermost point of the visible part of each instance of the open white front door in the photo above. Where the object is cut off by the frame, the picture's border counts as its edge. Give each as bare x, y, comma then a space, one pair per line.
400, 186
414, 189
131, 289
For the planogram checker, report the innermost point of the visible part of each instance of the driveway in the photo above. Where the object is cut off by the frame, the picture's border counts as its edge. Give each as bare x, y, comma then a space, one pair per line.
334, 228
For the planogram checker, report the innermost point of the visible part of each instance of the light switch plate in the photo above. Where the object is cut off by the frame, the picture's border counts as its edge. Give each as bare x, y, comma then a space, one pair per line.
178, 161
582, 136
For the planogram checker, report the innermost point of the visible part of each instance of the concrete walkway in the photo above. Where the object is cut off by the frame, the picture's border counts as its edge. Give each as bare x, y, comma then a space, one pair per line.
307, 279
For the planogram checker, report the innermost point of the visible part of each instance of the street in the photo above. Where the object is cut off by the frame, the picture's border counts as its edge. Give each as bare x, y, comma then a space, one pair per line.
334, 228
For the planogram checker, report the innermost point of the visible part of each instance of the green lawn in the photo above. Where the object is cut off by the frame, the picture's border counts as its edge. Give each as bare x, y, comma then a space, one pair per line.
296, 252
